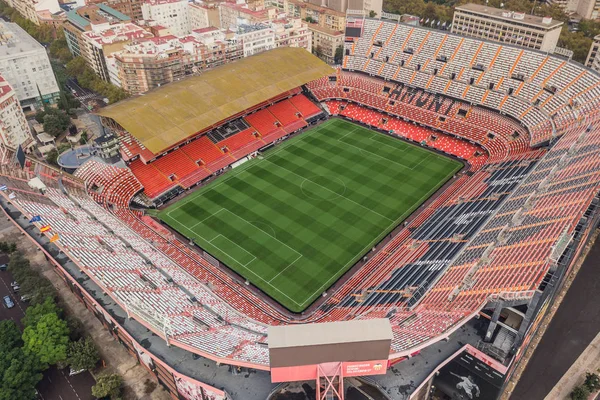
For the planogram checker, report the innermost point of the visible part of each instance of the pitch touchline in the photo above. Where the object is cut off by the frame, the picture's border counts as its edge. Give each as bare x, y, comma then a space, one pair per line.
240, 264
285, 269
366, 247
331, 191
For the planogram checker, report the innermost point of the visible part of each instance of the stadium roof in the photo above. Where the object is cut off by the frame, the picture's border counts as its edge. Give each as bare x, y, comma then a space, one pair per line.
167, 115
329, 333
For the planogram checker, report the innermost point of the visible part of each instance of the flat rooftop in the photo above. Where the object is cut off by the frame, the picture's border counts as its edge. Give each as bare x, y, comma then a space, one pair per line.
14, 41
509, 16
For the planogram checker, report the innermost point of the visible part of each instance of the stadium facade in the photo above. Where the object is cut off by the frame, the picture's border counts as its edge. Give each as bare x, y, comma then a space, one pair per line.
501, 234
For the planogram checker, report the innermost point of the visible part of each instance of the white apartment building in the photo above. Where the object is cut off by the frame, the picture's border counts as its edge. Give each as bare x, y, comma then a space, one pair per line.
173, 14
539, 33
588, 9
30, 8
105, 39
593, 58
255, 38
203, 15
13, 125
24, 64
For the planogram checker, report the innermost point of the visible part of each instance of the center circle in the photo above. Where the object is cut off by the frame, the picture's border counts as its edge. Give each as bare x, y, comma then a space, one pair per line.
323, 187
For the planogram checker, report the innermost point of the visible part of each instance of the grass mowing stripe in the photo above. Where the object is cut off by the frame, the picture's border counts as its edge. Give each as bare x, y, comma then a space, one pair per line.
310, 208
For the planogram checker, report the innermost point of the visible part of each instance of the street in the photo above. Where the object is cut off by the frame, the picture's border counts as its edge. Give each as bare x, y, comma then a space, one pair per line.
56, 384
82, 94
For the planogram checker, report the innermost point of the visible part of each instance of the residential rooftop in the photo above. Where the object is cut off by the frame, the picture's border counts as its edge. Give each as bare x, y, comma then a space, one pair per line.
14, 41
95, 14
324, 29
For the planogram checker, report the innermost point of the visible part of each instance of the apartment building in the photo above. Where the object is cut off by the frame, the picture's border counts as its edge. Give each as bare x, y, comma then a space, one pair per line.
30, 9
255, 38
14, 130
153, 62
235, 14
148, 63
203, 15
368, 6
539, 33
83, 19
325, 42
172, 14
593, 58
316, 14
105, 39
131, 8
292, 32
24, 64
588, 9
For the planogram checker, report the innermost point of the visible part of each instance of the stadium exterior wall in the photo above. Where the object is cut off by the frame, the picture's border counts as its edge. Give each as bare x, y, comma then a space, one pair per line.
173, 382
545, 310
310, 372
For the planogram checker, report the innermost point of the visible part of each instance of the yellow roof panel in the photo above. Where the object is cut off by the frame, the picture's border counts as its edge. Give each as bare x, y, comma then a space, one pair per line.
167, 115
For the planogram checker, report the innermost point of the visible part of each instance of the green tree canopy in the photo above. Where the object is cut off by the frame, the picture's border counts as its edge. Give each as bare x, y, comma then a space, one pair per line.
18, 373
20, 377
34, 314
592, 382
580, 393
83, 354
108, 385
47, 340
339, 54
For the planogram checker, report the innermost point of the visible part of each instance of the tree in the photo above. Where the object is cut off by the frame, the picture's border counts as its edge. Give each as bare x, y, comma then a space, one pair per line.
34, 314
108, 385
592, 382
339, 55
52, 157
83, 138
47, 340
580, 393
83, 354
87, 78
18, 373
56, 123
10, 335
19, 266
318, 51
310, 20
6, 247
20, 377
372, 14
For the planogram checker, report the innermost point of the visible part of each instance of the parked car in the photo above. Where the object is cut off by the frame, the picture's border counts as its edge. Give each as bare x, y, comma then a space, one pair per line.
16, 288
25, 298
3, 267
8, 302
14, 283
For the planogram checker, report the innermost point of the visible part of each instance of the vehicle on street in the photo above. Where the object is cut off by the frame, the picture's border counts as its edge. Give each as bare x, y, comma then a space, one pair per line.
8, 302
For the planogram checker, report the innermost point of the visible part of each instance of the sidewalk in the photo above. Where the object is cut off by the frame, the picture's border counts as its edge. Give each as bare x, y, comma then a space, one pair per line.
588, 361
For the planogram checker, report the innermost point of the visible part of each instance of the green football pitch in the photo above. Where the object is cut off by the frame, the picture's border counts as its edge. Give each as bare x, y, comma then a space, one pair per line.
293, 220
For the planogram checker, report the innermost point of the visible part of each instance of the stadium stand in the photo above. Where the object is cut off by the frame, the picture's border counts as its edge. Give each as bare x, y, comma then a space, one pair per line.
533, 174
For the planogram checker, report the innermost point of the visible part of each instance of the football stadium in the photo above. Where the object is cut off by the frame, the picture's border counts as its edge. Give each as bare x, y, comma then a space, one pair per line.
297, 222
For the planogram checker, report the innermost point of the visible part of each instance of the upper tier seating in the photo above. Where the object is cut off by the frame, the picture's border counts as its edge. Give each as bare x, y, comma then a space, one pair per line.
544, 92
